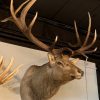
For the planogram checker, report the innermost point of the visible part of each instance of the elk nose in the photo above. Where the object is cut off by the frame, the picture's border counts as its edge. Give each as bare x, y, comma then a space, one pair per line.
79, 74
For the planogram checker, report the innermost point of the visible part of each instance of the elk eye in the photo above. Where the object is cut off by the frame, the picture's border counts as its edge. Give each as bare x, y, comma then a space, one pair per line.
59, 63
67, 64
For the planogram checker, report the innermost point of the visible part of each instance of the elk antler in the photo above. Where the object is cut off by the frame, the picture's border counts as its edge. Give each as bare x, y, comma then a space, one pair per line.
5, 74
20, 22
83, 49
26, 30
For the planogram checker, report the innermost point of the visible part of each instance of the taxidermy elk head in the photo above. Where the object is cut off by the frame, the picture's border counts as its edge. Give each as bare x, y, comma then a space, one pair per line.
42, 82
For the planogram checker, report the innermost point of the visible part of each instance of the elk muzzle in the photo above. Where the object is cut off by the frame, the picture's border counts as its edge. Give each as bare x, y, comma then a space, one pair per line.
78, 74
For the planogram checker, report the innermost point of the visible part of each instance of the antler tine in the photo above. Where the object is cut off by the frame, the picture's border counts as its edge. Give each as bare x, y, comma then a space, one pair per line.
87, 47
7, 69
20, 7
33, 21
12, 74
77, 37
15, 19
55, 41
91, 51
17, 10
25, 10
53, 44
1, 62
89, 29
6, 74
12, 11
77, 34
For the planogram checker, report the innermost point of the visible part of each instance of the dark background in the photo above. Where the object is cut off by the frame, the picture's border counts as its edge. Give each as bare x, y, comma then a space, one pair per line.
56, 17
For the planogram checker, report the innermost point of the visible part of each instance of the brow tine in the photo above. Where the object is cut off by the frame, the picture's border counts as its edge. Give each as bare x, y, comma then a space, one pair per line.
56, 39
53, 44
7, 19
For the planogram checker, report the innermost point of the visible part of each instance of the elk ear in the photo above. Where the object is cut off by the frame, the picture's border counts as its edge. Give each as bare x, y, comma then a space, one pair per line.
51, 58
74, 61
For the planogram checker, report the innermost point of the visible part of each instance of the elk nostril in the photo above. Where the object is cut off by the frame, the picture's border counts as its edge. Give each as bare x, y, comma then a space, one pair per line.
81, 72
